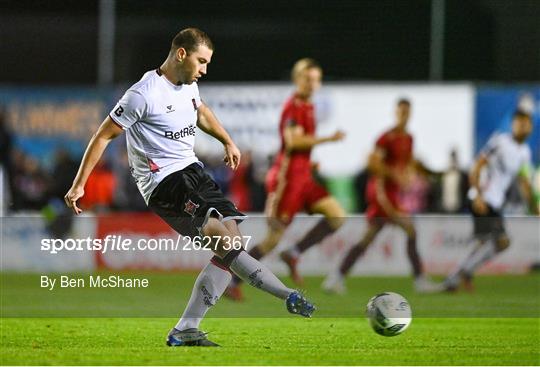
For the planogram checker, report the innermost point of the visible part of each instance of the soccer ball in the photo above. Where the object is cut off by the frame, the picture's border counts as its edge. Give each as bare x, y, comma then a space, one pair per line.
389, 314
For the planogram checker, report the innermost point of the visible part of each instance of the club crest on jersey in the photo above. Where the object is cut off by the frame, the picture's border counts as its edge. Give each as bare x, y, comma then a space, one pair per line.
170, 109
191, 207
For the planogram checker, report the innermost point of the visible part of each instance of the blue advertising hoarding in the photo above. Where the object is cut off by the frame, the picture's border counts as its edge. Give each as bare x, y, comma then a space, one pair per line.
495, 107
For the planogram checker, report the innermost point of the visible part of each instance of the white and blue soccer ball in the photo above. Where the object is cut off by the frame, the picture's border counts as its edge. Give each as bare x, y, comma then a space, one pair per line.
389, 314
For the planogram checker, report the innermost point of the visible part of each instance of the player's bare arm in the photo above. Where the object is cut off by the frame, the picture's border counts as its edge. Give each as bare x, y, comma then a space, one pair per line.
99, 141
297, 140
478, 203
208, 122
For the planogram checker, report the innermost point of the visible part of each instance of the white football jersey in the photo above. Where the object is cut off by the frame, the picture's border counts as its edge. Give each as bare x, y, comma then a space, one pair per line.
160, 120
505, 158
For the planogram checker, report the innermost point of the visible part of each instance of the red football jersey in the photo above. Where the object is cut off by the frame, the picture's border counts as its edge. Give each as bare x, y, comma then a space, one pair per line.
297, 112
397, 147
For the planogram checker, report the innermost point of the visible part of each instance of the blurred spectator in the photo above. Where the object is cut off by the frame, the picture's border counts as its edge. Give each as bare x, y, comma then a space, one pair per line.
536, 186
218, 171
259, 167
63, 171
453, 187
30, 183
360, 185
58, 216
6, 142
414, 197
99, 189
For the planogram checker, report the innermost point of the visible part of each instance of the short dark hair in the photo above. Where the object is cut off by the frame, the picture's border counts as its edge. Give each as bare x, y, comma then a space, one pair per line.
520, 114
190, 39
404, 101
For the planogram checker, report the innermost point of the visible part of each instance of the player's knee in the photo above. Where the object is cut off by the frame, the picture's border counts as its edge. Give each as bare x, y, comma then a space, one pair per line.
229, 256
209, 225
336, 222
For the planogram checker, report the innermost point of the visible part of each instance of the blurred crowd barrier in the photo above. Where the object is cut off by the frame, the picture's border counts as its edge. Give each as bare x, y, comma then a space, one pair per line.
44, 132
443, 240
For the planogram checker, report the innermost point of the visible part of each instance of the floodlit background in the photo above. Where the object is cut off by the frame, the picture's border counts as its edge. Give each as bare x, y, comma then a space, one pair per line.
466, 67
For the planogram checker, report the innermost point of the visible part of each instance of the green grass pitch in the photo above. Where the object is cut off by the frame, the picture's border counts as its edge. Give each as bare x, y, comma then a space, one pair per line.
497, 325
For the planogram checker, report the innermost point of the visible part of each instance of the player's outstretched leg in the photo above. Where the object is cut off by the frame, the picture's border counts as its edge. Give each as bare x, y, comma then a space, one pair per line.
234, 290
481, 253
252, 271
215, 277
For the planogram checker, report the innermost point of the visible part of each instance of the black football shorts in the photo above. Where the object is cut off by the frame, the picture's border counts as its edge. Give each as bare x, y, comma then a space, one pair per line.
186, 199
489, 224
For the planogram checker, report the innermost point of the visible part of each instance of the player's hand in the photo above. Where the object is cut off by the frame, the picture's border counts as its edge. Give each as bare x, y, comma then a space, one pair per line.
479, 205
232, 156
337, 136
74, 194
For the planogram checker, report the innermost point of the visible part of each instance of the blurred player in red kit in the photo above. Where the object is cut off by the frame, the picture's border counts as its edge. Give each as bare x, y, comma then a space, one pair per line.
289, 183
392, 167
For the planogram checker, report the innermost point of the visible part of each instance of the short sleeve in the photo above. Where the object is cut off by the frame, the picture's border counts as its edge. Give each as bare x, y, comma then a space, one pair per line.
130, 109
491, 146
288, 117
196, 96
381, 141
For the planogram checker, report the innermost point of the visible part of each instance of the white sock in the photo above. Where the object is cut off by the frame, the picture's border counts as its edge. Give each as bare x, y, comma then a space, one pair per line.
483, 254
208, 287
258, 276
454, 278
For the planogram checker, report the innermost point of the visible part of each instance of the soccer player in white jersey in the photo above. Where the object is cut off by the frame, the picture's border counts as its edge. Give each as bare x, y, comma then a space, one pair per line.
160, 115
505, 157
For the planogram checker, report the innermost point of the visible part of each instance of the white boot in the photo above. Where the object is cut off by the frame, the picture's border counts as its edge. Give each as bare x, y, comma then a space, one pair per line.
423, 284
334, 283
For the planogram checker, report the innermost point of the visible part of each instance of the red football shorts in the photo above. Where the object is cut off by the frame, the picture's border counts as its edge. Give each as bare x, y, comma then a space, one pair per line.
294, 192
376, 209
